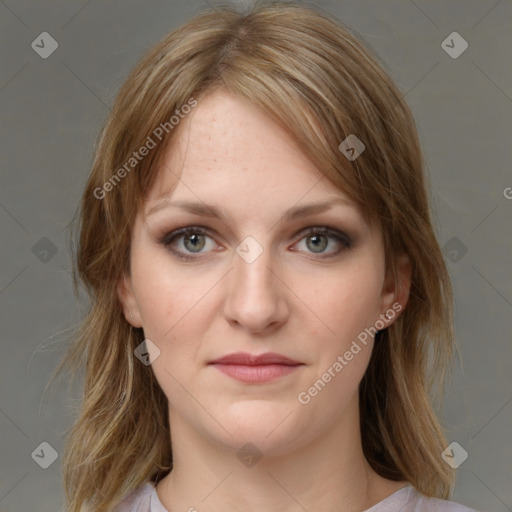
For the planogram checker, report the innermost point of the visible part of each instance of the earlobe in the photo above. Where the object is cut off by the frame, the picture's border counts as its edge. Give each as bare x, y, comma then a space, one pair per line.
396, 294
404, 271
128, 302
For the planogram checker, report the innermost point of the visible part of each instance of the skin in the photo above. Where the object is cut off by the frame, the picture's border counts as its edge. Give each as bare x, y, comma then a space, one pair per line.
305, 303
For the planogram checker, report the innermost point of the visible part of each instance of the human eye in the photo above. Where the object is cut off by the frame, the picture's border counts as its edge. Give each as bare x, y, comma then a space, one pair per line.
317, 239
187, 241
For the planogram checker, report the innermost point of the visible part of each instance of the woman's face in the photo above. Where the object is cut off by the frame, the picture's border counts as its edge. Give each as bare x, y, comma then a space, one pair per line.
271, 273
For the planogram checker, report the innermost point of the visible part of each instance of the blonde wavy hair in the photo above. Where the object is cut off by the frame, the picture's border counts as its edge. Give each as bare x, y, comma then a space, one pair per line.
319, 81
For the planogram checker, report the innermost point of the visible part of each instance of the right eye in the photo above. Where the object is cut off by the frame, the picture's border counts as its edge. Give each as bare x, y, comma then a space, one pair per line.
186, 242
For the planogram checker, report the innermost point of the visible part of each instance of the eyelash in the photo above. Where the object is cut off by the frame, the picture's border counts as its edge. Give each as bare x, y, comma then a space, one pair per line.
168, 239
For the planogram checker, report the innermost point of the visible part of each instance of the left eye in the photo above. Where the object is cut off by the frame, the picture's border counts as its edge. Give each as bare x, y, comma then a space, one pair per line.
318, 239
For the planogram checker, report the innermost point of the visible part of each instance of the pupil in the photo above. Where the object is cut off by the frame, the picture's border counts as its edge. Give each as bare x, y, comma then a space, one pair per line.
317, 242
196, 241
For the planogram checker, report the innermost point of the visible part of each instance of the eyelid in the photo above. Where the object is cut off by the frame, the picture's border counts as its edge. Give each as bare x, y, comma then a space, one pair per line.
326, 230
174, 234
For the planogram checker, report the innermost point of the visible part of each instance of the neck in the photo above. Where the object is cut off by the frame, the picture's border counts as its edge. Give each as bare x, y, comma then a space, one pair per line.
329, 473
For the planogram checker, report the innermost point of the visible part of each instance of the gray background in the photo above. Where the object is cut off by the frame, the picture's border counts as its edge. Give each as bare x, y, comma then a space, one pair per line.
53, 108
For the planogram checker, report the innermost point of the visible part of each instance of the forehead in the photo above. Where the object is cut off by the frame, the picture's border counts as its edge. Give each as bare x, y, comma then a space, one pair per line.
227, 150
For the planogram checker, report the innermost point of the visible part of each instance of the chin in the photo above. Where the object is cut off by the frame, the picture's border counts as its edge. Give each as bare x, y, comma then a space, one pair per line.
268, 426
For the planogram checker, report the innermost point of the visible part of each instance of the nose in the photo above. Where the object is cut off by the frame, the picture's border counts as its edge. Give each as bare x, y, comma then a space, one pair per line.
255, 295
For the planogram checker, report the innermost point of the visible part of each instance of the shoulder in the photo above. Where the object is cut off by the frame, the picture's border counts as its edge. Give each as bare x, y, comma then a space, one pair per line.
417, 502
138, 500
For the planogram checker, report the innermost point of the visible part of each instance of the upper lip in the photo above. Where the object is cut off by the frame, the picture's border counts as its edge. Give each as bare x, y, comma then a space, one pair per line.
244, 358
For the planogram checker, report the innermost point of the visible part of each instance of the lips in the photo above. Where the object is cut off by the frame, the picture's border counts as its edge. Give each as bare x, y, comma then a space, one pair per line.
244, 358
256, 369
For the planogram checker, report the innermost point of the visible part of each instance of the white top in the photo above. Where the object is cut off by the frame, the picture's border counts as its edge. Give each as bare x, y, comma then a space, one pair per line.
406, 499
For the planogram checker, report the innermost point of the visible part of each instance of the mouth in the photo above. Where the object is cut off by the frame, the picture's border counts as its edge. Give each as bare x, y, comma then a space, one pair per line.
256, 369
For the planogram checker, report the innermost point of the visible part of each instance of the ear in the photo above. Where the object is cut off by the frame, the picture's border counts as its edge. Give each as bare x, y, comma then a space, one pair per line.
128, 301
395, 295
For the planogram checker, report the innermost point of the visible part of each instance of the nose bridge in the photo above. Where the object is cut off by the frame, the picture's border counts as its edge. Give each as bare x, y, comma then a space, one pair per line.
254, 297
254, 275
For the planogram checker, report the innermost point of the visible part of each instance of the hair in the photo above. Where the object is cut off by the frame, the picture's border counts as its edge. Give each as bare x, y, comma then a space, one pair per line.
320, 82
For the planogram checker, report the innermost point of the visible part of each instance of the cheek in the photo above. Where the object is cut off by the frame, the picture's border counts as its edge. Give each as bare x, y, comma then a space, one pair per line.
170, 296
346, 304
174, 312
343, 302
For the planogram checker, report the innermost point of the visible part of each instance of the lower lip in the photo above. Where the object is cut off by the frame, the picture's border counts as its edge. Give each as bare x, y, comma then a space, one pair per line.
256, 373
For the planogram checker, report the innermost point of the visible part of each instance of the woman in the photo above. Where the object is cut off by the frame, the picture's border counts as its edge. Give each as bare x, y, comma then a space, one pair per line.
266, 321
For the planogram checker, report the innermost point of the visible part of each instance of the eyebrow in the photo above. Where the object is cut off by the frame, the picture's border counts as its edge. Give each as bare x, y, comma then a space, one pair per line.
205, 210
